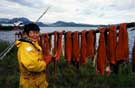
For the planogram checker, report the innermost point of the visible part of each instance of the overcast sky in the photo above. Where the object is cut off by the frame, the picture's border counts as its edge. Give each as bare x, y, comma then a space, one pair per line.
79, 11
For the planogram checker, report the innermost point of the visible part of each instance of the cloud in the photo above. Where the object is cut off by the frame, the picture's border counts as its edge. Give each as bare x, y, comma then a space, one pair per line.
28, 3
85, 11
21, 2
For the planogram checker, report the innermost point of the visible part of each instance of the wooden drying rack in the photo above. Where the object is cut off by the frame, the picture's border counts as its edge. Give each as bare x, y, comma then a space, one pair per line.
129, 25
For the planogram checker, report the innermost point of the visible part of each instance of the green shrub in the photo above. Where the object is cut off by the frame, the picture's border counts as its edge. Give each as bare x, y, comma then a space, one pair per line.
67, 75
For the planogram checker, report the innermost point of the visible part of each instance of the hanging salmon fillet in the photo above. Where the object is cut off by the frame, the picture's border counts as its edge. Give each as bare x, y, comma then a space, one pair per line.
83, 47
122, 49
68, 46
76, 49
41, 42
46, 44
46, 52
55, 51
91, 41
133, 58
59, 47
111, 44
101, 53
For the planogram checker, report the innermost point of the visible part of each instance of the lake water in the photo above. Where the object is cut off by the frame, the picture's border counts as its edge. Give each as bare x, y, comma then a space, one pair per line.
9, 35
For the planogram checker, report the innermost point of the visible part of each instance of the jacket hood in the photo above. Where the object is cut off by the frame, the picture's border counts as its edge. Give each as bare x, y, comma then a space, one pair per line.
18, 43
24, 39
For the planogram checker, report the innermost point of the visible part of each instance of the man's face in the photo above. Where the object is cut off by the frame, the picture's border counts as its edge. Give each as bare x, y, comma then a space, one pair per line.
34, 35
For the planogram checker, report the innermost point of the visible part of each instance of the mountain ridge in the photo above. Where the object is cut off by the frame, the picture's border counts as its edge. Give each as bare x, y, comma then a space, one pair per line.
60, 23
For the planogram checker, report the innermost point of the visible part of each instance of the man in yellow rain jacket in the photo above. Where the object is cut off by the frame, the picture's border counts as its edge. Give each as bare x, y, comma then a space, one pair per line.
31, 63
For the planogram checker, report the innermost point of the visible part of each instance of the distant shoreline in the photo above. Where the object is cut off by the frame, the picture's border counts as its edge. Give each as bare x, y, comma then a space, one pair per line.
11, 28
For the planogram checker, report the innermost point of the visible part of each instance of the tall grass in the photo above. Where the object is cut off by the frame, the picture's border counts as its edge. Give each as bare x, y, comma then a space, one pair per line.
9, 73
67, 75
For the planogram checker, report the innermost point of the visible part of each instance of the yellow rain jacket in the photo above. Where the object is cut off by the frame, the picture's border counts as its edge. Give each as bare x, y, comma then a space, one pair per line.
32, 66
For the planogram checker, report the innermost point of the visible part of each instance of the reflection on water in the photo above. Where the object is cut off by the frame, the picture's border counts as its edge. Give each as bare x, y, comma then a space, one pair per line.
52, 29
7, 35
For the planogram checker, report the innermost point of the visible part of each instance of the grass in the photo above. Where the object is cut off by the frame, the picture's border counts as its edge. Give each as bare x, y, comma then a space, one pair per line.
9, 73
67, 75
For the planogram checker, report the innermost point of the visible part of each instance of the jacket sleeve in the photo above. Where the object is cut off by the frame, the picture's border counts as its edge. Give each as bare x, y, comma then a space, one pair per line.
31, 60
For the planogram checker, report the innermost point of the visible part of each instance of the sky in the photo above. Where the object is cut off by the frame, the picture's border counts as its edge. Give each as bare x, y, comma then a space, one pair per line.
79, 11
